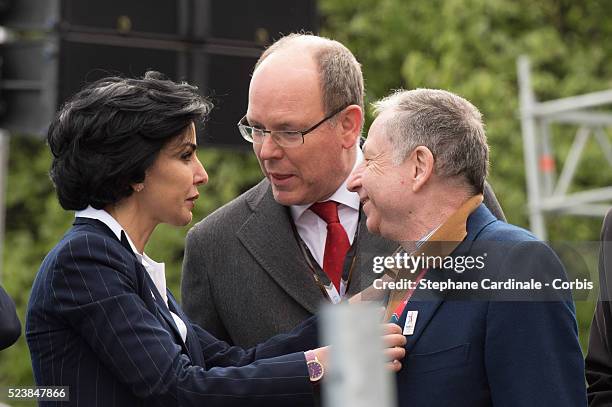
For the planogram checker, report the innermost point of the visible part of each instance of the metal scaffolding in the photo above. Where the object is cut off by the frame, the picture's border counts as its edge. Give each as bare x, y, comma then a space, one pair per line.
548, 192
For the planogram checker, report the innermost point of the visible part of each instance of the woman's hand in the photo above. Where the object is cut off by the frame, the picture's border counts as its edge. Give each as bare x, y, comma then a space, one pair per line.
393, 342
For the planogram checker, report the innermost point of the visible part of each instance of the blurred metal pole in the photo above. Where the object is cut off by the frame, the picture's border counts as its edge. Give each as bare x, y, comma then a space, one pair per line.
356, 376
543, 195
4, 153
530, 148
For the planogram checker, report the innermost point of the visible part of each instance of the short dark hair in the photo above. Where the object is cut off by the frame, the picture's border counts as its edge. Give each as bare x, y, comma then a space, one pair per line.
108, 134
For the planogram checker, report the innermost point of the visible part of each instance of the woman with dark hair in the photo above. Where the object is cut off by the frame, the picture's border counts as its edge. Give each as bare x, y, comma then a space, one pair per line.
100, 319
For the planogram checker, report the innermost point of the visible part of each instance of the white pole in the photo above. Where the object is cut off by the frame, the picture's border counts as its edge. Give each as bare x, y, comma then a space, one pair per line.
530, 148
357, 376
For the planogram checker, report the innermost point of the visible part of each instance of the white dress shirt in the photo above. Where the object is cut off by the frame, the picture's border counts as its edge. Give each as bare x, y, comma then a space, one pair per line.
313, 230
157, 271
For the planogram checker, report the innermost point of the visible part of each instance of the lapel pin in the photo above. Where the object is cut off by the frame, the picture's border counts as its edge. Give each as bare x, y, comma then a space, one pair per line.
411, 319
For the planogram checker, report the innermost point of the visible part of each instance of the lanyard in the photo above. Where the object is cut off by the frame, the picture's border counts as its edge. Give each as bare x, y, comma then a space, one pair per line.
399, 310
319, 275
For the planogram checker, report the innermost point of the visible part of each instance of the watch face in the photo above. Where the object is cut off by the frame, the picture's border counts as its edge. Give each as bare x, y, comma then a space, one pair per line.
315, 370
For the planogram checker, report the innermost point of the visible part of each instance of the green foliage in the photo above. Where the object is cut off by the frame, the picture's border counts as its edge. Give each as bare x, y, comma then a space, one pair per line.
467, 46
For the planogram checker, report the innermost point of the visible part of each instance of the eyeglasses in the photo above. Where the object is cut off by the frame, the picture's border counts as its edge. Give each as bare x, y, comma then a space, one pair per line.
284, 138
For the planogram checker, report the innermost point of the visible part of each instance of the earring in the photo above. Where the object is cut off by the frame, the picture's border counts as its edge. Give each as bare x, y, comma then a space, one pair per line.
138, 187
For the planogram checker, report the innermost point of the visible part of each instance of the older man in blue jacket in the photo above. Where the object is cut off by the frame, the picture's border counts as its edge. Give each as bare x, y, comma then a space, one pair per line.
479, 332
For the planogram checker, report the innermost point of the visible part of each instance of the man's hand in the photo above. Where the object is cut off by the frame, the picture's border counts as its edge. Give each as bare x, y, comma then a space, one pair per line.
394, 343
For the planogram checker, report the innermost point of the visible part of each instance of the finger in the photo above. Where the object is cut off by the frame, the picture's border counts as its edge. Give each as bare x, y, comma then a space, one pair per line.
394, 340
395, 353
394, 366
389, 329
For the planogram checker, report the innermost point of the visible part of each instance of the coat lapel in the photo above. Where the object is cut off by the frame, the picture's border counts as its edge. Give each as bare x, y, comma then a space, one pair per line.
444, 240
369, 246
427, 302
162, 309
192, 343
268, 236
149, 287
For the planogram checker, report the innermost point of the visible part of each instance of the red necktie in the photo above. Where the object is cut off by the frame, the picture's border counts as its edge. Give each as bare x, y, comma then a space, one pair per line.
337, 242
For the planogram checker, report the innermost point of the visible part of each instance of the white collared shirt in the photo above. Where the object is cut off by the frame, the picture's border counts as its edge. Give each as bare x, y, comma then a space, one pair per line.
157, 271
313, 230
427, 237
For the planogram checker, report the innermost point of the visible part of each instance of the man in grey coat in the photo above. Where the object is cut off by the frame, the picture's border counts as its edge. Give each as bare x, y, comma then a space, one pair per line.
268, 259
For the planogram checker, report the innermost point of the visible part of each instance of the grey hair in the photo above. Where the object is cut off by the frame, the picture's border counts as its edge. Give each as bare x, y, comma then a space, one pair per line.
447, 124
339, 72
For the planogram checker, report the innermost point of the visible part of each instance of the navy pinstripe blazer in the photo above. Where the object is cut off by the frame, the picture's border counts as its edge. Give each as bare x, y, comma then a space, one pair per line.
96, 323
10, 327
491, 351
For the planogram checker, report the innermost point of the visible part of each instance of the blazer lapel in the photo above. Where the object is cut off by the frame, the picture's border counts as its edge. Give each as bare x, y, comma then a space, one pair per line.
164, 311
369, 246
426, 302
191, 341
149, 287
268, 236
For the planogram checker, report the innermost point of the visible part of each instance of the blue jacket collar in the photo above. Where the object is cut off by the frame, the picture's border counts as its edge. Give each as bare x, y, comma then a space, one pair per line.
476, 223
